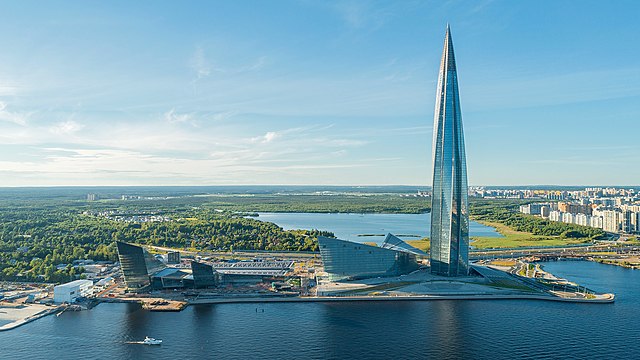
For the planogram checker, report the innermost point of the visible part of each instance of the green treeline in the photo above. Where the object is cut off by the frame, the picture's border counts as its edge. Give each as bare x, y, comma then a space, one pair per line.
39, 238
506, 213
223, 232
380, 203
36, 238
34, 241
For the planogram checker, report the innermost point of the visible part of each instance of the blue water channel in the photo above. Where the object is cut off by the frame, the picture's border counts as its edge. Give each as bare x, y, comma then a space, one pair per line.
353, 226
444, 329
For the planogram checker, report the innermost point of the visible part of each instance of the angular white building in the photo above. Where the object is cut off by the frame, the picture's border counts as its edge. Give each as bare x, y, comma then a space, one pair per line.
70, 291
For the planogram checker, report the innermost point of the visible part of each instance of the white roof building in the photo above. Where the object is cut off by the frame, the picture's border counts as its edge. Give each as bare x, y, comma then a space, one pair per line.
70, 291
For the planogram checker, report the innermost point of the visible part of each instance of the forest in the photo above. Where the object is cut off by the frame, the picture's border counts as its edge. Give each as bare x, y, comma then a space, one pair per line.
40, 237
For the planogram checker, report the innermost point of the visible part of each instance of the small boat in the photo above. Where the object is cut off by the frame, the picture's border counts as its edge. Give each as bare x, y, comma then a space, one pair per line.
151, 341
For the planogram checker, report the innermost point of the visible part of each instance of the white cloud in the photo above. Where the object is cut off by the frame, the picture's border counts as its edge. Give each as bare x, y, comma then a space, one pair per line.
257, 65
221, 116
172, 116
270, 136
86, 166
341, 142
66, 127
199, 63
266, 138
13, 117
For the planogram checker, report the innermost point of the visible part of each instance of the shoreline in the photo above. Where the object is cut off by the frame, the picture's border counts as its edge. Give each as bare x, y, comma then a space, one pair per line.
601, 299
622, 263
20, 322
605, 299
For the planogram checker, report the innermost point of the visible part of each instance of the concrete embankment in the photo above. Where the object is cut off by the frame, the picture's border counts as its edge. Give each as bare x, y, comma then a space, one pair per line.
606, 298
28, 319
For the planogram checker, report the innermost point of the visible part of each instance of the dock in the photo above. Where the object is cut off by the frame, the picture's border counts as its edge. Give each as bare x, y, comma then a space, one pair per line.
151, 304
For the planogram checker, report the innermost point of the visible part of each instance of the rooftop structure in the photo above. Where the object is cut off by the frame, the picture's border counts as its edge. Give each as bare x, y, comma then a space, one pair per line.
171, 278
392, 242
262, 268
449, 204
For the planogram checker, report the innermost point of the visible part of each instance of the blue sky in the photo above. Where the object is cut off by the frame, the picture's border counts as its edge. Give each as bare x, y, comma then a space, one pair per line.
314, 92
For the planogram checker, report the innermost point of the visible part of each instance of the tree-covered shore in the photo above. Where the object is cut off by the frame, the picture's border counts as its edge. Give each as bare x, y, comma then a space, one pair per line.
37, 235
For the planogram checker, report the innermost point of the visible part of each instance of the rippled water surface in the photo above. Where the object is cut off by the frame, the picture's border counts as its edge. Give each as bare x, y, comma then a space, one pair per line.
484, 329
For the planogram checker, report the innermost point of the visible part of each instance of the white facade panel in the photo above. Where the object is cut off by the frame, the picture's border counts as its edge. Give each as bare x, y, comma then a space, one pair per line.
69, 292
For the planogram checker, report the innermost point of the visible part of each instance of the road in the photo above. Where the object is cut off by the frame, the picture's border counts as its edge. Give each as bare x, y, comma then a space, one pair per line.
565, 251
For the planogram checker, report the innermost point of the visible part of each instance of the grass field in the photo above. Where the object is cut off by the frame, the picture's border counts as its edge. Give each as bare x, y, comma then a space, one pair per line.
422, 244
633, 240
513, 238
508, 263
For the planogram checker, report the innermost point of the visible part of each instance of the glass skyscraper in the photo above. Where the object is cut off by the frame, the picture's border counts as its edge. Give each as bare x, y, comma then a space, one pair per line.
136, 264
449, 204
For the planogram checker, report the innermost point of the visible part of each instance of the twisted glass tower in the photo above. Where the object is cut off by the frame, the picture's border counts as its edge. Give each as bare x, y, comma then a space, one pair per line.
449, 204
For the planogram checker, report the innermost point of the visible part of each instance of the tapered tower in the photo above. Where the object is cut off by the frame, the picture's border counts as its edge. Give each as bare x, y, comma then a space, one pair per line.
449, 204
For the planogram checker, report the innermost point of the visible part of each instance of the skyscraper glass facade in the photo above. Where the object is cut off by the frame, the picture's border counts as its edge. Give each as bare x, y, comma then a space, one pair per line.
449, 252
136, 264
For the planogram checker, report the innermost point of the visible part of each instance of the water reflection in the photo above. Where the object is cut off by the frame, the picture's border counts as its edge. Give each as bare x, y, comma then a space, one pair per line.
447, 331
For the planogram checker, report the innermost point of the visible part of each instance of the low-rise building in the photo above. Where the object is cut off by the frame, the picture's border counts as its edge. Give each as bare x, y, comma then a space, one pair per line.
71, 291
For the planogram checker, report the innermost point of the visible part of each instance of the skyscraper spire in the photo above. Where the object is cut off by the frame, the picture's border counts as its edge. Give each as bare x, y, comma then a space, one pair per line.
449, 252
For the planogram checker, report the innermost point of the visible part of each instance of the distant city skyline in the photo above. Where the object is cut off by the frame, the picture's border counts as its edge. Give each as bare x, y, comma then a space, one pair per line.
329, 93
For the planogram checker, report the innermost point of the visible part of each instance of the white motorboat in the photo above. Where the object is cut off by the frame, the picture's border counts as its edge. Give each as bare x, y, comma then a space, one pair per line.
151, 341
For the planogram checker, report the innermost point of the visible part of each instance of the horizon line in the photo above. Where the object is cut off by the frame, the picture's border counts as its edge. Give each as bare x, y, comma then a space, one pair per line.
310, 185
